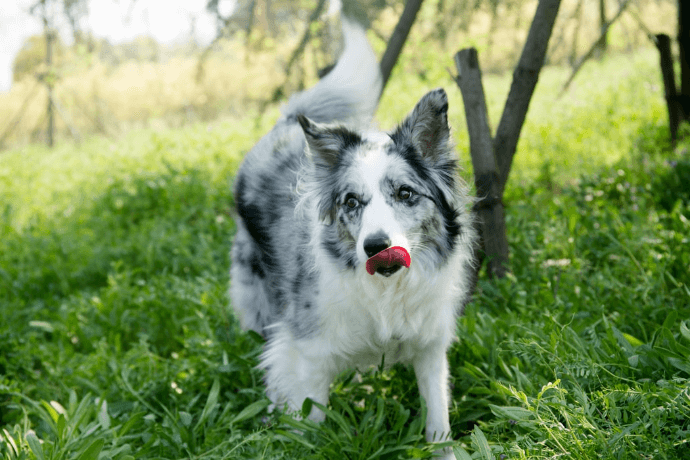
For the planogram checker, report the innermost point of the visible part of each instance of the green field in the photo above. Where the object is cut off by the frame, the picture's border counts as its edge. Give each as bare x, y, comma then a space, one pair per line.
117, 339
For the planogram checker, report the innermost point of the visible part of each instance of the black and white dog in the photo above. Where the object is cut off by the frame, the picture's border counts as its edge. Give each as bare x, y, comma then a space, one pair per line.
352, 243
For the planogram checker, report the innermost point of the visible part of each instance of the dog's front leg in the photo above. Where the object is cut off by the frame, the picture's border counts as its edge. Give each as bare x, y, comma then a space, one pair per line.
292, 375
431, 369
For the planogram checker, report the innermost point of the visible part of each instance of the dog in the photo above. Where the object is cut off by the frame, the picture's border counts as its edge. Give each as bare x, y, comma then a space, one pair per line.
353, 244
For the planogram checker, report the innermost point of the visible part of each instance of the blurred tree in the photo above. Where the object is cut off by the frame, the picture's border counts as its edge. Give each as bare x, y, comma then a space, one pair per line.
47, 11
602, 44
32, 56
75, 11
596, 45
266, 16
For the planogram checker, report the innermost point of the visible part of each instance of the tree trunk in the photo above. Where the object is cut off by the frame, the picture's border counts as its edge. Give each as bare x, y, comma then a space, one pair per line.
250, 21
398, 38
602, 44
684, 45
576, 32
663, 43
524, 81
490, 208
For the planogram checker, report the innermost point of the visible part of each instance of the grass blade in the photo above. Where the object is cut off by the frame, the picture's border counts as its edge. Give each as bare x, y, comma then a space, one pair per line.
211, 403
91, 452
461, 454
481, 444
35, 445
251, 410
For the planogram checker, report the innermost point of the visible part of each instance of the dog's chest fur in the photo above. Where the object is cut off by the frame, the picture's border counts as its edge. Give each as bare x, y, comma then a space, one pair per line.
362, 320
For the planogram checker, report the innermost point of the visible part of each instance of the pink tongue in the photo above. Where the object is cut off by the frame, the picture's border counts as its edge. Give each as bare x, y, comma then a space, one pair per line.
395, 255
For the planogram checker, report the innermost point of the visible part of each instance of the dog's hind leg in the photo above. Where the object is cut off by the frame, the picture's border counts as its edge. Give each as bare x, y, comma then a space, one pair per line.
247, 287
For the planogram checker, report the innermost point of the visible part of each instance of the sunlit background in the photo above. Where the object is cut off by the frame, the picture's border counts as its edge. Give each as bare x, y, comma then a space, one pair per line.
122, 64
173, 21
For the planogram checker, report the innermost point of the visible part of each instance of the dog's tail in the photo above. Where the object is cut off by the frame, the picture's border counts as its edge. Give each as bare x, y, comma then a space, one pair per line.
351, 90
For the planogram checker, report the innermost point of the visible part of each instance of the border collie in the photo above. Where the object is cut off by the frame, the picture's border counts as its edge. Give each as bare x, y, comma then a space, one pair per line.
353, 244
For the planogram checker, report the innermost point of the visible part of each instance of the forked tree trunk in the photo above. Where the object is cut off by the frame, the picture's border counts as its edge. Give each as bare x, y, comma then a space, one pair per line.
492, 160
398, 38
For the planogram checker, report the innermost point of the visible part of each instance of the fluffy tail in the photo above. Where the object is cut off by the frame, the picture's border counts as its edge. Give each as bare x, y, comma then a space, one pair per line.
350, 92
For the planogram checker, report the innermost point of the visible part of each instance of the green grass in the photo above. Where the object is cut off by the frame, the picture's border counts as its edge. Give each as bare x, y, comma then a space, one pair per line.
117, 341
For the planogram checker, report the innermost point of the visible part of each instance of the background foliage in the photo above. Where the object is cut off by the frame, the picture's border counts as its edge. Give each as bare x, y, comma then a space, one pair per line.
109, 89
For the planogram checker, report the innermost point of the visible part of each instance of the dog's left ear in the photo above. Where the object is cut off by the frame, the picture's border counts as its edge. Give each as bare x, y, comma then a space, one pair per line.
427, 126
327, 142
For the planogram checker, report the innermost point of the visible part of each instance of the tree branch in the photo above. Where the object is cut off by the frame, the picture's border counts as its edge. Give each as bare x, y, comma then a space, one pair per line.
524, 81
595, 46
398, 38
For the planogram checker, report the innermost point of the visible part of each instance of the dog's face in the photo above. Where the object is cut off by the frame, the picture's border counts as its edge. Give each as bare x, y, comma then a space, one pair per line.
378, 191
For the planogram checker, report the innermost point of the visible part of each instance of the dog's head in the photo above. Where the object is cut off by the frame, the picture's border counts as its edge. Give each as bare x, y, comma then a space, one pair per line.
376, 191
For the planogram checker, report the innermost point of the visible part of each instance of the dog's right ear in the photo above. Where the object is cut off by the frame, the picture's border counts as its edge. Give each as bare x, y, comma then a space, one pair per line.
327, 142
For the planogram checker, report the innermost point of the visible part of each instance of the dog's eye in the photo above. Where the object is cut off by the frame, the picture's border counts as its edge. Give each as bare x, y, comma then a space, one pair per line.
351, 202
405, 193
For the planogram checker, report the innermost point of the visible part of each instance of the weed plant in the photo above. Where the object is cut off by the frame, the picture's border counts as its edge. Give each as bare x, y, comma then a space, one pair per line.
117, 340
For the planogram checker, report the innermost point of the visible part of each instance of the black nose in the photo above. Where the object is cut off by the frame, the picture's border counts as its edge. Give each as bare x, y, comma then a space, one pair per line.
376, 243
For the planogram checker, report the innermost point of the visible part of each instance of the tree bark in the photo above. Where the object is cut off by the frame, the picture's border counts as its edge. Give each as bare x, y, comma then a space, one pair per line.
684, 46
490, 207
663, 43
398, 38
524, 81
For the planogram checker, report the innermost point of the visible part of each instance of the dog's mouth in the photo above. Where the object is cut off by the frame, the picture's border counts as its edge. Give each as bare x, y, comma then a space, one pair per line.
388, 261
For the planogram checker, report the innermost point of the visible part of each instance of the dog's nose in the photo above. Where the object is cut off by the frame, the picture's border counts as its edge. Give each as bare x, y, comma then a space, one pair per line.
376, 243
